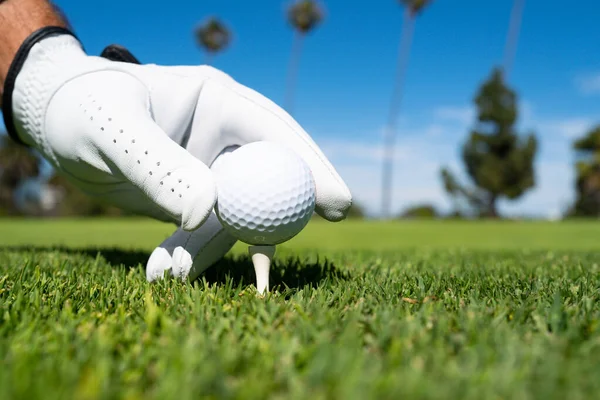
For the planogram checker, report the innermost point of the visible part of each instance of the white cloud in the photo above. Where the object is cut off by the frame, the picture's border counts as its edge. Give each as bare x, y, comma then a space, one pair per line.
588, 84
423, 148
431, 131
568, 128
552, 194
420, 153
360, 152
464, 115
526, 113
414, 182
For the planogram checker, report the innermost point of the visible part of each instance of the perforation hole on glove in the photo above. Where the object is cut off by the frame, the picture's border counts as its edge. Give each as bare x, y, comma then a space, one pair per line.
99, 117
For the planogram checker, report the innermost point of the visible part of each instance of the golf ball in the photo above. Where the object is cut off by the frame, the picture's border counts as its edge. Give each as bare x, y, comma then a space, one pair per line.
265, 193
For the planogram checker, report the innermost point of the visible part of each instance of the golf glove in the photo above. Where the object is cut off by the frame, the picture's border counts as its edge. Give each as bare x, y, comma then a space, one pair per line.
142, 137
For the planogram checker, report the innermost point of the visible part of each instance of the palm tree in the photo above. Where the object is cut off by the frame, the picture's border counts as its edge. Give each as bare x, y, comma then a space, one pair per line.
412, 8
512, 38
17, 164
213, 37
304, 16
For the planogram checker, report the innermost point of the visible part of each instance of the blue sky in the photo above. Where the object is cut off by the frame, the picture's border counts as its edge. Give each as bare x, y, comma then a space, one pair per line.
347, 71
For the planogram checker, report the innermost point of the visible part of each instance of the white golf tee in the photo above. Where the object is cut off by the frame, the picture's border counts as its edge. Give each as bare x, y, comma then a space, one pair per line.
261, 258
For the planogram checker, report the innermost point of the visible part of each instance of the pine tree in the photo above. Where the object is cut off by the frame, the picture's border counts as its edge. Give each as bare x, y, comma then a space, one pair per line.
499, 163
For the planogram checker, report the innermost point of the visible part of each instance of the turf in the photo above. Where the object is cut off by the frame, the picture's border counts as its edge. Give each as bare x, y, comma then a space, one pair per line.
420, 310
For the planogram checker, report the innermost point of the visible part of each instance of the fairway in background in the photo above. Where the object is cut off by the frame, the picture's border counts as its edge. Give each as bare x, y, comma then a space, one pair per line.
320, 234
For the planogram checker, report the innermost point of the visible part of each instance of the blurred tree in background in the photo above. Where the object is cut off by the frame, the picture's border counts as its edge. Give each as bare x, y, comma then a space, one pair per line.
303, 16
420, 211
587, 203
357, 211
499, 163
23, 191
17, 165
412, 8
213, 37
73, 202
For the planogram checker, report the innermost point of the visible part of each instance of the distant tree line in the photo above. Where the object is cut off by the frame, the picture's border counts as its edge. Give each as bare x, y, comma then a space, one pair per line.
25, 191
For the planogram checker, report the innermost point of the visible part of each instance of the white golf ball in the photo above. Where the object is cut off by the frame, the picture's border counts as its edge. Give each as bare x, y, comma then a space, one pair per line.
265, 193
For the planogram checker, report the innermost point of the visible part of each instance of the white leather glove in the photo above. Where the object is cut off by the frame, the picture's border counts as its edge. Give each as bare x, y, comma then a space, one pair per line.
142, 137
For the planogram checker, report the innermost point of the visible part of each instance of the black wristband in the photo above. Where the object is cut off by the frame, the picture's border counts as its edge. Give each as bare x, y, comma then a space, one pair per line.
15, 68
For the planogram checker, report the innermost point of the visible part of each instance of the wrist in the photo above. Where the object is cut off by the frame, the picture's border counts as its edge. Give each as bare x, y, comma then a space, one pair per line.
18, 20
36, 69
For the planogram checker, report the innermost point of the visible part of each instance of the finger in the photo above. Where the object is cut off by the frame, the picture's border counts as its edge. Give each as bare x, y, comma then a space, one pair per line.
109, 123
160, 261
186, 255
245, 116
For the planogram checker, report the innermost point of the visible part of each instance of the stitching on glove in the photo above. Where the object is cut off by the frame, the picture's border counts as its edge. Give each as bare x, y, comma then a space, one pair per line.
171, 182
15, 68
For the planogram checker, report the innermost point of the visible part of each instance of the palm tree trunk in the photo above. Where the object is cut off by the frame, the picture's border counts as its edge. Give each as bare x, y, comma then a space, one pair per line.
208, 58
512, 37
390, 130
293, 71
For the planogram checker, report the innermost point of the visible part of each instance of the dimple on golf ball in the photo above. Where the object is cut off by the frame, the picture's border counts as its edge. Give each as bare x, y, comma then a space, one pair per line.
265, 193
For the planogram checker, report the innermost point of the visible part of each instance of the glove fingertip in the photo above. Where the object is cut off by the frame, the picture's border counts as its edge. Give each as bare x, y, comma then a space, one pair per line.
182, 263
334, 207
199, 207
158, 263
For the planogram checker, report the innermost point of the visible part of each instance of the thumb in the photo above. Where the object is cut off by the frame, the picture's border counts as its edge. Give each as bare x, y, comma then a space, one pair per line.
115, 131
246, 116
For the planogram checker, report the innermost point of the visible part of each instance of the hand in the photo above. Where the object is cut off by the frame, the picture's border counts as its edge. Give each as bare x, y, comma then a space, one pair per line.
142, 137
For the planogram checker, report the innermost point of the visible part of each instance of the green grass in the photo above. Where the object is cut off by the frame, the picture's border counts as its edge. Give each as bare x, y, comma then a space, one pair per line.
431, 310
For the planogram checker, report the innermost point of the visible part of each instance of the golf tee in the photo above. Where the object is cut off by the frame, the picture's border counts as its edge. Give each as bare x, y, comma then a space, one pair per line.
261, 258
